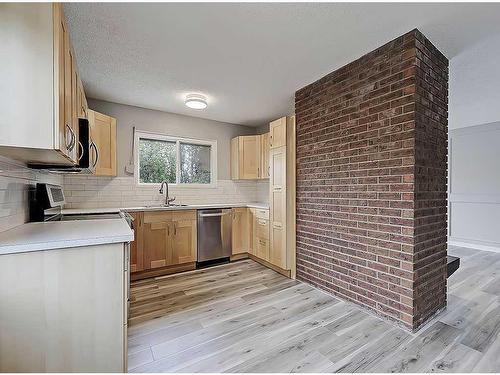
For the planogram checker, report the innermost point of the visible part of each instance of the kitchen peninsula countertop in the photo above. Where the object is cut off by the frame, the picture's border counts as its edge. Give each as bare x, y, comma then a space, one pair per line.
64, 234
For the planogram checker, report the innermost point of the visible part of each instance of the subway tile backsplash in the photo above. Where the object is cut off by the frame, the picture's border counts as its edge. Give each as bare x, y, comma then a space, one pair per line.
95, 192
15, 181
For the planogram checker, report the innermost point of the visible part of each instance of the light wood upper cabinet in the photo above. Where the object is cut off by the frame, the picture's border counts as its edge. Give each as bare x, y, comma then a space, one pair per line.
278, 133
83, 107
245, 157
41, 75
264, 155
66, 86
240, 231
103, 134
169, 238
250, 157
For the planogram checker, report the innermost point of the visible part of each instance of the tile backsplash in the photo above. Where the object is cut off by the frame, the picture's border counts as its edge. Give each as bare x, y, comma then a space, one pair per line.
15, 181
95, 192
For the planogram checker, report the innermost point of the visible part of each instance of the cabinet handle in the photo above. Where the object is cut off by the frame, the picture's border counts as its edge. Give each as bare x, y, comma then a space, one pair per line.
92, 144
71, 144
80, 150
168, 230
175, 229
269, 171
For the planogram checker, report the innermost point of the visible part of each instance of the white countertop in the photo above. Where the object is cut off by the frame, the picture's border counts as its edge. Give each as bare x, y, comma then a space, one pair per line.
64, 234
72, 211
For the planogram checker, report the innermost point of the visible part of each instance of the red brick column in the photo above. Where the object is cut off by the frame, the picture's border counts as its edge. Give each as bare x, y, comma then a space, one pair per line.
371, 180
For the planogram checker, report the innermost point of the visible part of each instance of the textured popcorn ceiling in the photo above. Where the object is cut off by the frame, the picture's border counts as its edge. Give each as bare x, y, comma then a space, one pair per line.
248, 59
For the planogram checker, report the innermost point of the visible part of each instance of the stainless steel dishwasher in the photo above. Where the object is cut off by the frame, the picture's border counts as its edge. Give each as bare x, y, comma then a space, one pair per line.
214, 235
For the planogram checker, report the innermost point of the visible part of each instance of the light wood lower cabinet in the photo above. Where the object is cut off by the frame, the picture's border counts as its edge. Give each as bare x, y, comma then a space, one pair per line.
137, 246
163, 239
240, 231
64, 310
184, 239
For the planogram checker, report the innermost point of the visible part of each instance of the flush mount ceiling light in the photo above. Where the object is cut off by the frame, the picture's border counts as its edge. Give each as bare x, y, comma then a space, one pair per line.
196, 101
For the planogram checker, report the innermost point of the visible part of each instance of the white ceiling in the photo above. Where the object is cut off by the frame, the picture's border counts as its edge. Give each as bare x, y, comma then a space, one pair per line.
247, 58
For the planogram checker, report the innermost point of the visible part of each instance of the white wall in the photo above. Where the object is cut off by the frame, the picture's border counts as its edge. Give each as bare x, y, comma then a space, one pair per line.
169, 124
474, 97
474, 186
474, 140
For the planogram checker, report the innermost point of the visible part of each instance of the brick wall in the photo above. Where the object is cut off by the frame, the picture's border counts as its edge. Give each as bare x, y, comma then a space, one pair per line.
371, 180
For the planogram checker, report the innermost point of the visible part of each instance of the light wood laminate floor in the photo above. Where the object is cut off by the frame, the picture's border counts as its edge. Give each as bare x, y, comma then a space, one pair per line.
243, 317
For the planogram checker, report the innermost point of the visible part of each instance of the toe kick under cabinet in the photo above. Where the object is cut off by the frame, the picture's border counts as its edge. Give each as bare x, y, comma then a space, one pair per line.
165, 242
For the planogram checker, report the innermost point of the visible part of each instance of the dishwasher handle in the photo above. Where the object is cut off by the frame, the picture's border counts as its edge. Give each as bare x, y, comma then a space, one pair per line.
211, 215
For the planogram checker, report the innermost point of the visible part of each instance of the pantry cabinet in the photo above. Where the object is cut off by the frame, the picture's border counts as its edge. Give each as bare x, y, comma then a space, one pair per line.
103, 135
282, 194
40, 85
163, 239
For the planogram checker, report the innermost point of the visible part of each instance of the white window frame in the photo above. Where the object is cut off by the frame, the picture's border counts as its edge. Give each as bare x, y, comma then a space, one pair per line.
178, 140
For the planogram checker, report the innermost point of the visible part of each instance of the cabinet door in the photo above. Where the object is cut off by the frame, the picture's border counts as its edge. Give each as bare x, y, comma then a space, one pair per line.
82, 100
103, 133
70, 115
64, 81
277, 203
249, 157
240, 231
277, 133
184, 237
156, 239
264, 155
262, 249
251, 231
137, 246
234, 162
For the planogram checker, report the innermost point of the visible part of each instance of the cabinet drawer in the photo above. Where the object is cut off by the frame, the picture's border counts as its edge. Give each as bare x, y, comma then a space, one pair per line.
262, 229
262, 213
157, 216
262, 249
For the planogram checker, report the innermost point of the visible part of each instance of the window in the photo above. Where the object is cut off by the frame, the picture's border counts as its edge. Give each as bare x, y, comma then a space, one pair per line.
182, 161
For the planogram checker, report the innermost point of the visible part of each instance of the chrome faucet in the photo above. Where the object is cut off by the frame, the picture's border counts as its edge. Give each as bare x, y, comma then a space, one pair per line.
168, 200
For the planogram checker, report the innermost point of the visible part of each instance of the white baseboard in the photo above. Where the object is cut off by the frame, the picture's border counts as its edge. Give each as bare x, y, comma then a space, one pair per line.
474, 245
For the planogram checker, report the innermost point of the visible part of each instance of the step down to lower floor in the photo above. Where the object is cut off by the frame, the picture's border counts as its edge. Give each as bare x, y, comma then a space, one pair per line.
452, 264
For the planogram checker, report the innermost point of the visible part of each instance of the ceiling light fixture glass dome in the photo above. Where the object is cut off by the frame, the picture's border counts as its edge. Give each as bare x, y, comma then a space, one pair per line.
196, 101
